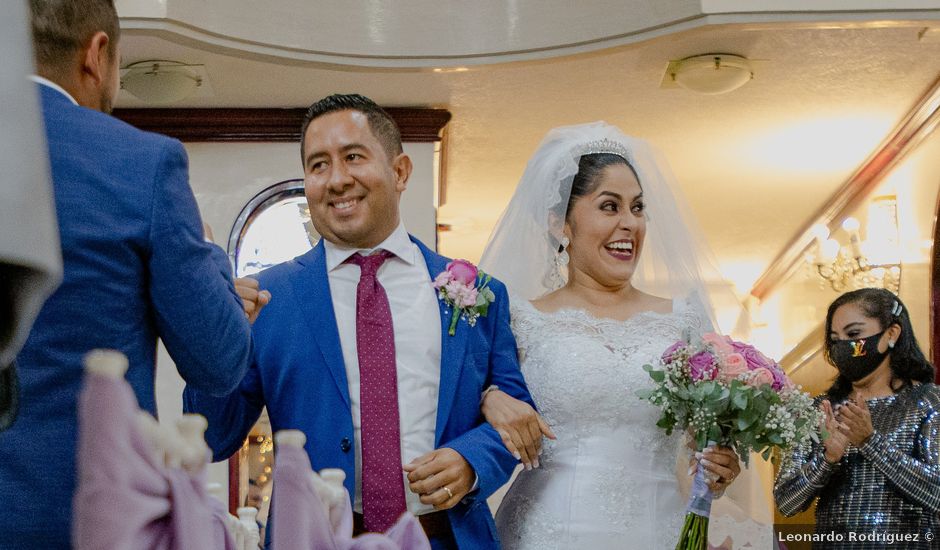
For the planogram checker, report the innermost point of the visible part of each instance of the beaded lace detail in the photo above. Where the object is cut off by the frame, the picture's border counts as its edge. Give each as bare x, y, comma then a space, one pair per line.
612, 472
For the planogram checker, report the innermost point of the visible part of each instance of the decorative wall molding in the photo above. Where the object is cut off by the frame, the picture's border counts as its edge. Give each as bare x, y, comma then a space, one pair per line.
920, 121
266, 124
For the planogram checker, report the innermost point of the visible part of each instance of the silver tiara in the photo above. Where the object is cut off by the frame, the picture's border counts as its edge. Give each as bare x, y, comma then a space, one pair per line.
602, 146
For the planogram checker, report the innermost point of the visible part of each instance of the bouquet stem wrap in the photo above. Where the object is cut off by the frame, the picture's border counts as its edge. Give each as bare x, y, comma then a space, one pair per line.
700, 501
694, 535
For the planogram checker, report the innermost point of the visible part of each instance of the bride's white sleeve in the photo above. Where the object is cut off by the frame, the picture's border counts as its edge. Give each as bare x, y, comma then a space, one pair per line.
522, 321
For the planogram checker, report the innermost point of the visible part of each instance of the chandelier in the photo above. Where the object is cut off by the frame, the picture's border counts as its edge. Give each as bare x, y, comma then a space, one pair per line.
873, 262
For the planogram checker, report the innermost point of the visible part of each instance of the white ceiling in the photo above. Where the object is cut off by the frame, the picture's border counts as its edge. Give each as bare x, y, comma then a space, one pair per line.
754, 164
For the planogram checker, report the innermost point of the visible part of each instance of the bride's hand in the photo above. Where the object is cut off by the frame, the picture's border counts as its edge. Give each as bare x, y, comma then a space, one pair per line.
517, 423
723, 465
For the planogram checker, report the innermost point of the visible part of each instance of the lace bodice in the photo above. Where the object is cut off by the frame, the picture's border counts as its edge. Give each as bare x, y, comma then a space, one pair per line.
612, 475
613, 469
574, 363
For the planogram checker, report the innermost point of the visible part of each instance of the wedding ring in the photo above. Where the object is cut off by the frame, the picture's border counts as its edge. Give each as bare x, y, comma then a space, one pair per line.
449, 494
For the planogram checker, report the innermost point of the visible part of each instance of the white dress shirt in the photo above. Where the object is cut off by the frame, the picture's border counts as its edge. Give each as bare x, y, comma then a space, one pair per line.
417, 331
46, 82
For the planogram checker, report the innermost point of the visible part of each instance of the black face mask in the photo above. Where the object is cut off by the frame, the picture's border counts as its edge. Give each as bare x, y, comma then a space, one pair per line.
858, 358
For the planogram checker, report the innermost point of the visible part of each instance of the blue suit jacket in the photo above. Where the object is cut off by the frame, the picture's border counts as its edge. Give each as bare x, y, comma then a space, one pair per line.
299, 373
135, 268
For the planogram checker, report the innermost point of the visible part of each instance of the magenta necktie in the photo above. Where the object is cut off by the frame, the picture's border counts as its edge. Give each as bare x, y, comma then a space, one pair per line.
383, 486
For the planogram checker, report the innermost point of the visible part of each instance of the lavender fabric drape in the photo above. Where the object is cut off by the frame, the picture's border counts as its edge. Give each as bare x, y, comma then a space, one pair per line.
126, 497
302, 522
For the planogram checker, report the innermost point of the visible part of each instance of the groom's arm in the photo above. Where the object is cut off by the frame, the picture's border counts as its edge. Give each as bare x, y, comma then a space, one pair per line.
483, 457
482, 447
505, 372
484, 451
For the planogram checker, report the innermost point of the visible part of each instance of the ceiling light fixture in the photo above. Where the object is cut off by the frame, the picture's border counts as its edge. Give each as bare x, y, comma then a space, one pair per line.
713, 73
161, 82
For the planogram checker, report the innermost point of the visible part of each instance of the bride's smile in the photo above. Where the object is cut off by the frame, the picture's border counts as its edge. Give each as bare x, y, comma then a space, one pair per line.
606, 228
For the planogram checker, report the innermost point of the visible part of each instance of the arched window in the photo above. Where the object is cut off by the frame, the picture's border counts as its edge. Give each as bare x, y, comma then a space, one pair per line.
272, 228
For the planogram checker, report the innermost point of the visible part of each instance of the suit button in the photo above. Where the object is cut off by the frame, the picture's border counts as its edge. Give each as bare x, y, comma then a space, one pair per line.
345, 445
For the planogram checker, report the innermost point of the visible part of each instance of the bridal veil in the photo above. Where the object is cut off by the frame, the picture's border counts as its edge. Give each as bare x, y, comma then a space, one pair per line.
675, 261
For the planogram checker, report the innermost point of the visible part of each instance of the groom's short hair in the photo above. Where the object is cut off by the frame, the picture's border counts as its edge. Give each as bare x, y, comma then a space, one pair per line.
380, 122
62, 27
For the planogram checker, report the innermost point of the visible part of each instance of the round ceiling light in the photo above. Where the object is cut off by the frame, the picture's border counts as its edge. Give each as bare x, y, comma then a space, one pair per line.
160, 82
712, 74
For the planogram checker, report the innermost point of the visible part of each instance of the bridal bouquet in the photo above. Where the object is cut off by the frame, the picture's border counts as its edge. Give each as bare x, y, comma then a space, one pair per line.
727, 393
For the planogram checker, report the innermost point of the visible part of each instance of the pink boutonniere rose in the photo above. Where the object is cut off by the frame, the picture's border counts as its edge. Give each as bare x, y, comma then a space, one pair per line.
465, 289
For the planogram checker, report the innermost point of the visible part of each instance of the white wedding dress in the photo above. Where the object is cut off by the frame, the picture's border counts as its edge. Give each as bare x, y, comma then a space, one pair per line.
612, 478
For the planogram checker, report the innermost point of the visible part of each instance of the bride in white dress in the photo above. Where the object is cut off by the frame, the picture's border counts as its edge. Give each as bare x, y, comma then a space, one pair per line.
571, 240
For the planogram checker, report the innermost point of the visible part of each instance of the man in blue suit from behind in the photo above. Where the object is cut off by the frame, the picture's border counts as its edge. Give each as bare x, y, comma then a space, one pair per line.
313, 365
136, 268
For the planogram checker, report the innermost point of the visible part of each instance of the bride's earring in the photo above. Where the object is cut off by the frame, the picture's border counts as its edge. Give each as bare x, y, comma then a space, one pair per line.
563, 257
561, 261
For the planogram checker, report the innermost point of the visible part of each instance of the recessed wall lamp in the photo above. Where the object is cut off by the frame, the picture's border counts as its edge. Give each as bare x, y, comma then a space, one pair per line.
160, 81
713, 73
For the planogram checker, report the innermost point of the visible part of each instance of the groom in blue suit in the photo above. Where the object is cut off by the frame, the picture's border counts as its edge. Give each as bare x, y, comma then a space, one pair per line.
354, 347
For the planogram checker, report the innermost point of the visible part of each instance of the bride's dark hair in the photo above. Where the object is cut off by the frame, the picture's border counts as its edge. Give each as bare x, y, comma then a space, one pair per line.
590, 168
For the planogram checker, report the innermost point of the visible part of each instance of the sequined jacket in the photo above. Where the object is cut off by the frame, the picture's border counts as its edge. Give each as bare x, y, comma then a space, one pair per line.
888, 485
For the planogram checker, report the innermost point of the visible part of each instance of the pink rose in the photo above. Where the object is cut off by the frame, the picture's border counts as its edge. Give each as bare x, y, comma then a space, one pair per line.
670, 353
761, 376
702, 366
718, 342
754, 358
462, 271
732, 366
780, 379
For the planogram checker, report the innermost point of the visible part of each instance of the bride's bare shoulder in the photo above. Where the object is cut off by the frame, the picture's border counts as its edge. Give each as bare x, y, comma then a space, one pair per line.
553, 301
655, 303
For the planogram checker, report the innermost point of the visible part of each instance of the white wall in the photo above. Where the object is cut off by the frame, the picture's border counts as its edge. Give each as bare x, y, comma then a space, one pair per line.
225, 176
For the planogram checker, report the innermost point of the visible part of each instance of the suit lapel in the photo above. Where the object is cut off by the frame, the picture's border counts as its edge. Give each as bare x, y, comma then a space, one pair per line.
453, 348
313, 292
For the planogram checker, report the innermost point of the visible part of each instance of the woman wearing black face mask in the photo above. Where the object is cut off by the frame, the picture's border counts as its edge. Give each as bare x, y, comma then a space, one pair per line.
877, 471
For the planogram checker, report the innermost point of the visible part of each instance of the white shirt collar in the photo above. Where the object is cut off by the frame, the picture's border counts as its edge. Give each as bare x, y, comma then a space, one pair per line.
398, 243
46, 82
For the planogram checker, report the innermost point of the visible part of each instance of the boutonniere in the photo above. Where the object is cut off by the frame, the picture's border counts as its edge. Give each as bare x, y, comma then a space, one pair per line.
464, 288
